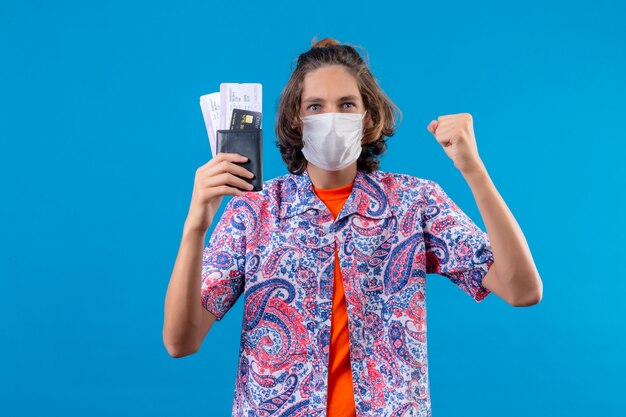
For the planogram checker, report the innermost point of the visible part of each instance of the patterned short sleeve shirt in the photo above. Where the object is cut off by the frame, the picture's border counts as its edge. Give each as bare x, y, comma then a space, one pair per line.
276, 248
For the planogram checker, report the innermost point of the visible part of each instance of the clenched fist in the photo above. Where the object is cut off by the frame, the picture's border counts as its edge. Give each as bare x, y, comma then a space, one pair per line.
455, 133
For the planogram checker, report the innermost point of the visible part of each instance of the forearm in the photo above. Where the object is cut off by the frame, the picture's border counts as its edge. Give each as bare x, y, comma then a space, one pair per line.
183, 309
516, 269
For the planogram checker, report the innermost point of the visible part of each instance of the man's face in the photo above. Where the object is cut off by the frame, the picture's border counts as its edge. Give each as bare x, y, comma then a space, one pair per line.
330, 89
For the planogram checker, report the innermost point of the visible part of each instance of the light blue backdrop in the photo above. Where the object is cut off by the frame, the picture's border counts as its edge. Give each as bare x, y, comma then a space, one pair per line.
102, 132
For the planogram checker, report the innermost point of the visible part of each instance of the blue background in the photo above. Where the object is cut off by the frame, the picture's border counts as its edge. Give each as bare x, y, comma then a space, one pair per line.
102, 133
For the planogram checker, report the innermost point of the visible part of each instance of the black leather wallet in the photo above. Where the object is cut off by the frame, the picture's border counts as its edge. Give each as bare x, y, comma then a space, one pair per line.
248, 143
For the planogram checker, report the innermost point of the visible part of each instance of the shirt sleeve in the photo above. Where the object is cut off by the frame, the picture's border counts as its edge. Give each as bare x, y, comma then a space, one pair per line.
223, 262
455, 246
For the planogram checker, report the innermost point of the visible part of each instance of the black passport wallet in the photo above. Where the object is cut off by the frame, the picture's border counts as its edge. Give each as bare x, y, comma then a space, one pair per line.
248, 143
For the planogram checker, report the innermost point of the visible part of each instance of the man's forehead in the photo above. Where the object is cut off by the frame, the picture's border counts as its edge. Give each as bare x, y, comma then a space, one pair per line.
339, 83
331, 97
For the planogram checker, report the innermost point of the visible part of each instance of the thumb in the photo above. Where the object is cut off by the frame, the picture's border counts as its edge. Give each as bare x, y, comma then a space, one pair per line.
432, 126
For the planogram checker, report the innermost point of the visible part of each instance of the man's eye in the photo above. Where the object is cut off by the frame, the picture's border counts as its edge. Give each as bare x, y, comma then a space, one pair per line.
351, 104
313, 105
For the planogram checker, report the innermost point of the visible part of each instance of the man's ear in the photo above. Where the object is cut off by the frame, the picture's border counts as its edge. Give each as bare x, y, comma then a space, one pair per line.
368, 123
296, 124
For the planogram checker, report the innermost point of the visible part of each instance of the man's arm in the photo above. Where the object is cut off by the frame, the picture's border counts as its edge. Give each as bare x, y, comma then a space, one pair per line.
517, 280
513, 275
186, 322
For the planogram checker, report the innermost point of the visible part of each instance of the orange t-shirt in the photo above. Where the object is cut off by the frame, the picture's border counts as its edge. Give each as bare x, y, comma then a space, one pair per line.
340, 393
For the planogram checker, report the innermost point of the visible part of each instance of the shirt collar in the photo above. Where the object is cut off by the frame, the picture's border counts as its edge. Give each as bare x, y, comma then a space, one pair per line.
372, 196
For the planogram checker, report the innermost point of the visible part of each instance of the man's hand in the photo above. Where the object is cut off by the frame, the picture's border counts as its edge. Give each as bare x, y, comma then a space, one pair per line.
455, 133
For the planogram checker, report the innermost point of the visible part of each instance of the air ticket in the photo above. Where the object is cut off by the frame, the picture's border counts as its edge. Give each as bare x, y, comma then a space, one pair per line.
210, 105
245, 96
217, 108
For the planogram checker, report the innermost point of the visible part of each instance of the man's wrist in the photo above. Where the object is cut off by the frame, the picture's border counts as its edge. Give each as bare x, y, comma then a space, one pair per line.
475, 172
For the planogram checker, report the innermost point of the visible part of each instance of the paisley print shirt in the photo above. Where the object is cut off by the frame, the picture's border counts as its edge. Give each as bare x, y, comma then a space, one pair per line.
276, 247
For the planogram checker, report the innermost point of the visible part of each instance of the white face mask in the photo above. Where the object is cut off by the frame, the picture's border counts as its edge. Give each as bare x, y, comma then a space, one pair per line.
332, 141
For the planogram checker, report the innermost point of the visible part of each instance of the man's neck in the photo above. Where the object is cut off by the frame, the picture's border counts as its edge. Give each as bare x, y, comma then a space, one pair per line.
324, 179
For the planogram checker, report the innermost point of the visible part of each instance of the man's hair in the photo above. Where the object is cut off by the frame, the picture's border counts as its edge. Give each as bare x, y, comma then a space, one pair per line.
379, 107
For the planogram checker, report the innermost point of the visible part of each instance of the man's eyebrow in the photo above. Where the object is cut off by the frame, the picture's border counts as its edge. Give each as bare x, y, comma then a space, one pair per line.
321, 100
